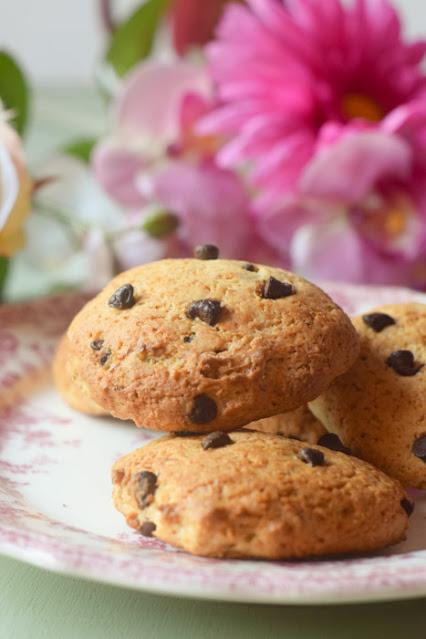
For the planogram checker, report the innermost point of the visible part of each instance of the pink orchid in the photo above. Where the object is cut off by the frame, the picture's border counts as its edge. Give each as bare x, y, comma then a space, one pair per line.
211, 204
287, 70
359, 214
155, 156
147, 121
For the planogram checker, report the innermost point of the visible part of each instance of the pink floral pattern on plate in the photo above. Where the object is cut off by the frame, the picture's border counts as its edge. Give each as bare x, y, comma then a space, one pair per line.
55, 502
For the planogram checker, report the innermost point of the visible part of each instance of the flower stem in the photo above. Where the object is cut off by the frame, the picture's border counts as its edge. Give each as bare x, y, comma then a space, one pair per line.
105, 11
4, 268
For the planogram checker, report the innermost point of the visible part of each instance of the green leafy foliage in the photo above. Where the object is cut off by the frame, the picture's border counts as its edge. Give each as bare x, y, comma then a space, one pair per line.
132, 41
14, 91
81, 148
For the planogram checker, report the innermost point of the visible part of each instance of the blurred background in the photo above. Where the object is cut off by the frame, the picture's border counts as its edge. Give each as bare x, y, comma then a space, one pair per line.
130, 157
60, 42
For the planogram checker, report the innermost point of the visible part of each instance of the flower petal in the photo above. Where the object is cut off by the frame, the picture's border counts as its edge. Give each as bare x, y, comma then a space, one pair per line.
328, 252
116, 169
149, 105
9, 185
210, 202
349, 169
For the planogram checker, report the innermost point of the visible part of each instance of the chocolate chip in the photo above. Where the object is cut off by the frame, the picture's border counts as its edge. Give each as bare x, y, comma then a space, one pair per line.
218, 439
419, 448
105, 357
403, 363
206, 252
408, 506
378, 321
207, 311
123, 297
147, 528
250, 267
333, 442
273, 289
203, 410
97, 344
146, 485
187, 339
311, 456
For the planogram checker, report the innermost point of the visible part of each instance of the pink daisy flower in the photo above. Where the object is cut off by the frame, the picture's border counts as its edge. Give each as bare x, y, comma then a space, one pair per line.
287, 71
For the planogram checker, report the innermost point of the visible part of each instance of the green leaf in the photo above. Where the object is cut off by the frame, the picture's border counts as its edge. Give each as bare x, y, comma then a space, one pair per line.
133, 40
14, 91
81, 148
4, 268
160, 224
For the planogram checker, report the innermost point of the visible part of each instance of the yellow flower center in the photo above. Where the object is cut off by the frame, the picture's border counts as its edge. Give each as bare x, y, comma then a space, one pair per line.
388, 221
395, 221
358, 105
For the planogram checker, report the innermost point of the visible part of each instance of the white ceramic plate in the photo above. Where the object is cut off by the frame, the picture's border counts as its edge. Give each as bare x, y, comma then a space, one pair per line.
55, 492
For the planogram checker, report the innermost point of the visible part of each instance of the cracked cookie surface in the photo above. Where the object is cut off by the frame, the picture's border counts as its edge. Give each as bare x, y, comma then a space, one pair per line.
378, 407
257, 495
203, 345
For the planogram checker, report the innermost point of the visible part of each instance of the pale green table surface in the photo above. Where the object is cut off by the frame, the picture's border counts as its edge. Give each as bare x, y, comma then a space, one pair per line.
37, 604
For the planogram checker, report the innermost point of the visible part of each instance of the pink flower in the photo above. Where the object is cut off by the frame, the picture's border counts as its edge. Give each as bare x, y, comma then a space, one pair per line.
211, 204
146, 123
286, 71
359, 214
155, 157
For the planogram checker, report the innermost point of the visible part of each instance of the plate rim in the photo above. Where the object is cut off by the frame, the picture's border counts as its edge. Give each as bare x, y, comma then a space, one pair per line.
35, 555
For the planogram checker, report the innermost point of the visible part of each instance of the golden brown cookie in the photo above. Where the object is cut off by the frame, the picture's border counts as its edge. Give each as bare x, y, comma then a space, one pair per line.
251, 494
199, 345
378, 408
69, 384
299, 424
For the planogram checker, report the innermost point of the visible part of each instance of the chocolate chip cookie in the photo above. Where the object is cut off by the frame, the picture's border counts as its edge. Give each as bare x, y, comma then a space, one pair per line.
251, 494
208, 344
298, 424
69, 383
378, 407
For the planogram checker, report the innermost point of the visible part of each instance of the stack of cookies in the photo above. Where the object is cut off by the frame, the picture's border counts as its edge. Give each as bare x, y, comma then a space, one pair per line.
225, 356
